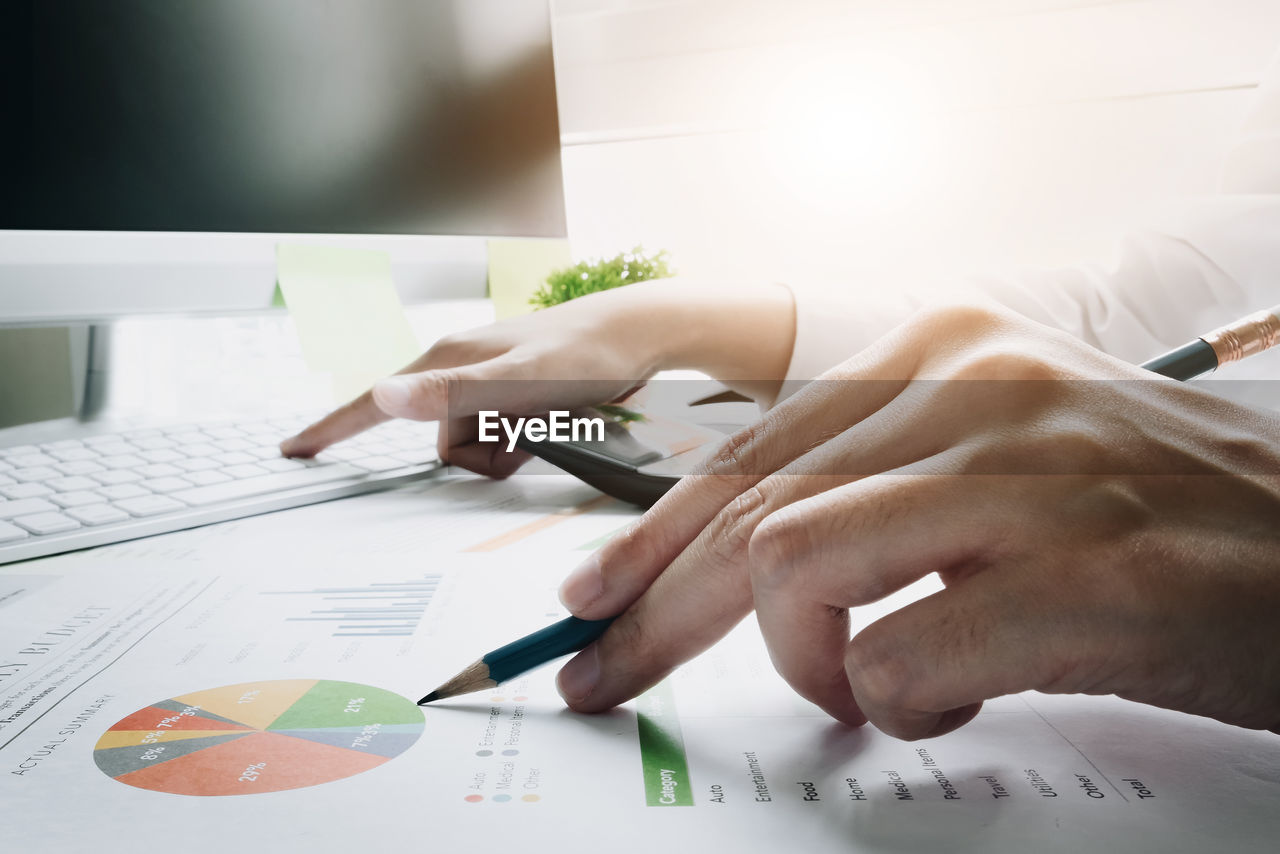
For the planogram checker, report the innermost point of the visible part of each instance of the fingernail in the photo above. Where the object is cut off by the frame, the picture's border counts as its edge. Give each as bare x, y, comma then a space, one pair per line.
583, 586
392, 393
578, 678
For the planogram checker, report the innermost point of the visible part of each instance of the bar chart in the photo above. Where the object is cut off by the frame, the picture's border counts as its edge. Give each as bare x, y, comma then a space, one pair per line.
379, 609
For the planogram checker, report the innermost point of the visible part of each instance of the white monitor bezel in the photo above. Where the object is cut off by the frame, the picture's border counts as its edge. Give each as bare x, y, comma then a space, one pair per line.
60, 277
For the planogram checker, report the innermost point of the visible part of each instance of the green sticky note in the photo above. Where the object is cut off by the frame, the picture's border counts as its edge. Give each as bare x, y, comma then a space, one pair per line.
518, 267
347, 313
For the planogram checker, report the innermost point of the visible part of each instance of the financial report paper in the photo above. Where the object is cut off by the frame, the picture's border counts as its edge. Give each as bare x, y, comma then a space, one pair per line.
251, 686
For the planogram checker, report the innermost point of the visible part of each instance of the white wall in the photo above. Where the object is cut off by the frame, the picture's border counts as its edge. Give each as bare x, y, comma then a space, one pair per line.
873, 142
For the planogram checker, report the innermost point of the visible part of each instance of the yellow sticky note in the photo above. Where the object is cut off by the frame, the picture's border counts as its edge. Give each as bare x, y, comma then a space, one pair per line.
347, 313
518, 267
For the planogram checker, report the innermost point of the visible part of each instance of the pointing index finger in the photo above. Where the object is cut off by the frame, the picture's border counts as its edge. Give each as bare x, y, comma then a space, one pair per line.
345, 421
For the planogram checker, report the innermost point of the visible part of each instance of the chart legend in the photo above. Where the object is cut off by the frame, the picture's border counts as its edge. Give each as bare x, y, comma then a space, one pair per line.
259, 737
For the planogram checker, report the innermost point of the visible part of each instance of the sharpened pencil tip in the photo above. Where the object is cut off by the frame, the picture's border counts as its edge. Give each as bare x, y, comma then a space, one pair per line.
434, 695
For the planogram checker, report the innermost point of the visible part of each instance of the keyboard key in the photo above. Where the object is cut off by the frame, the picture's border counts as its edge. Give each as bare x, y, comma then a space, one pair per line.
122, 490
345, 453
23, 507
282, 464
141, 434
189, 437
79, 467
113, 449
18, 450
5, 480
371, 448
150, 505
47, 523
70, 484
202, 449
28, 460
62, 444
25, 490
224, 432
117, 476
165, 484
70, 455
154, 443
245, 470
35, 473
205, 478
237, 444
307, 476
271, 452
198, 464
164, 455
5, 466
415, 458
123, 461
234, 458
158, 470
104, 439
11, 532
378, 463
98, 514
76, 499
321, 460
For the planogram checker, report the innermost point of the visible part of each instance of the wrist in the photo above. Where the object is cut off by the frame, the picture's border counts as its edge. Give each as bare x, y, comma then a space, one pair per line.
741, 334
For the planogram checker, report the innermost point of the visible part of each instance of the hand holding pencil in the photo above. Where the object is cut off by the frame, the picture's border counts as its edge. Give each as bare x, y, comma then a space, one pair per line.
1079, 538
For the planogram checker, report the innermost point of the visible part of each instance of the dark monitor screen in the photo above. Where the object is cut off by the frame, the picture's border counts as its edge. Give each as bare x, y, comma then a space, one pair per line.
330, 116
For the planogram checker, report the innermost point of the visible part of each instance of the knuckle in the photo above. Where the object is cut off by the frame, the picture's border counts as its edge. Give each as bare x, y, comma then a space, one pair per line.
737, 454
724, 544
638, 545
449, 350
948, 319
774, 546
1002, 362
734, 524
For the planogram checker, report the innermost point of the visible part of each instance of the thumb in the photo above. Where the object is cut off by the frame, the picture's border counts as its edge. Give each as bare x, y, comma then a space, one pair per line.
449, 393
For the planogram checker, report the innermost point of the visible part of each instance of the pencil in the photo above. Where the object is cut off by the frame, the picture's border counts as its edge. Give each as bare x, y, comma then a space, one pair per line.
521, 656
1231, 343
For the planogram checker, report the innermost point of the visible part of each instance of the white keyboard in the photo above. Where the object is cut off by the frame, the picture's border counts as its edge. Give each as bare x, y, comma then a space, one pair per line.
97, 489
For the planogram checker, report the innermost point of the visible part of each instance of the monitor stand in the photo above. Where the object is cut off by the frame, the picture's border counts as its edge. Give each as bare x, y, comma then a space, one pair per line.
91, 360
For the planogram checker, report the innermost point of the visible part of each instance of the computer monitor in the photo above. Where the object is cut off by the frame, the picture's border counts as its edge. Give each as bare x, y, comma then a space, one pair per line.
155, 152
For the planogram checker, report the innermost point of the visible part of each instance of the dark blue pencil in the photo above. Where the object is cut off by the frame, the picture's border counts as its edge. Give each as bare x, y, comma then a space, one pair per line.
521, 656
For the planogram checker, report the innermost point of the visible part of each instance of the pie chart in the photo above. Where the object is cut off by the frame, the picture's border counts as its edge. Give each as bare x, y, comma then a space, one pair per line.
259, 737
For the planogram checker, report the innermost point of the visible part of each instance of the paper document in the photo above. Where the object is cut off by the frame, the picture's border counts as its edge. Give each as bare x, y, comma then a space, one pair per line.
347, 313
251, 686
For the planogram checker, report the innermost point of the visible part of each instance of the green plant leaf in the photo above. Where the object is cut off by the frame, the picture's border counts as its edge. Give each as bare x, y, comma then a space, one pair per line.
589, 277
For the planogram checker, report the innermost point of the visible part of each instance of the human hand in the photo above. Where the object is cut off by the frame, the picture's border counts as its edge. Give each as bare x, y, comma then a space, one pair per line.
1098, 529
585, 352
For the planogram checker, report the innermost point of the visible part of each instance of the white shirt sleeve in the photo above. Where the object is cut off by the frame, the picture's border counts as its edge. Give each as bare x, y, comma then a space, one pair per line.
1217, 261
